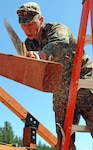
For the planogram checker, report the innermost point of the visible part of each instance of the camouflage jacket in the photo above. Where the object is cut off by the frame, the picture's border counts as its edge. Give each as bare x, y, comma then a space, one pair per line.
58, 42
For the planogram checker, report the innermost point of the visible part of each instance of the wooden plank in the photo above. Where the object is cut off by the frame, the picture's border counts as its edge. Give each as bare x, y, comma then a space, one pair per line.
4, 147
28, 139
88, 40
47, 135
12, 104
79, 128
85, 83
39, 74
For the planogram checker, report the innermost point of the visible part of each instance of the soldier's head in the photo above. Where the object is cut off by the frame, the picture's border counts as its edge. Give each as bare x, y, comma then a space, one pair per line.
30, 19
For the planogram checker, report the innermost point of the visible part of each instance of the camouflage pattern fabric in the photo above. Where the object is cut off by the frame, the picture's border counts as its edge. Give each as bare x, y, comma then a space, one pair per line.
28, 12
59, 44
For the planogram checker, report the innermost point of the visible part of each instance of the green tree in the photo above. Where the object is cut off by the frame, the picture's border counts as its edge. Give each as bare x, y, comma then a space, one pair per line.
7, 134
41, 146
1, 134
18, 140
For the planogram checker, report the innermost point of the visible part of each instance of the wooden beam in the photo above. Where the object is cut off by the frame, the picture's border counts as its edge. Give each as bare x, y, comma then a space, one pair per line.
12, 104
47, 135
29, 139
85, 83
88, 39
79, 128
4, 147
39, 74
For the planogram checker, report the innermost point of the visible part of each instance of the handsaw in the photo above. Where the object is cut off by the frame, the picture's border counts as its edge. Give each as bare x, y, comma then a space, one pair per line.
18, 44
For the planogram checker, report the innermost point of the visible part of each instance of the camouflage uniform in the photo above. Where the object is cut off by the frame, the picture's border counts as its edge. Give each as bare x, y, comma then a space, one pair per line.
58, 43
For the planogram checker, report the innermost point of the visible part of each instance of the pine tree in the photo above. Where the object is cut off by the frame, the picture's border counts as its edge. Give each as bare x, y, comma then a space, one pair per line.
7, 133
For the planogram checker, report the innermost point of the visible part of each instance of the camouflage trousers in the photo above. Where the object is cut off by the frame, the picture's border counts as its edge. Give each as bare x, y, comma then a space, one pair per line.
84, 108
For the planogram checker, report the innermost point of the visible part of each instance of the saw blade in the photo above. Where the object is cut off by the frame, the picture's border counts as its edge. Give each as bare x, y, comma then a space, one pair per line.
14, 37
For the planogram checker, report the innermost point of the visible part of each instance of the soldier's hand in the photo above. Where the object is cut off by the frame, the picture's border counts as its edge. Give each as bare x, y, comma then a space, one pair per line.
32, 54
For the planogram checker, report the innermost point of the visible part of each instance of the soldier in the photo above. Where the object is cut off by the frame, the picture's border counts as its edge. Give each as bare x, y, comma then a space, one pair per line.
55, 42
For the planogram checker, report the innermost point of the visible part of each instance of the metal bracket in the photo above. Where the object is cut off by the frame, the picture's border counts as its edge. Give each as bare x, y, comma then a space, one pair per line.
33, 136
33, 124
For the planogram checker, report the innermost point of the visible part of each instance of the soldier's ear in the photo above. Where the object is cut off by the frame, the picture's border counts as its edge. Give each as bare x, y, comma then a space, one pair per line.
41, 19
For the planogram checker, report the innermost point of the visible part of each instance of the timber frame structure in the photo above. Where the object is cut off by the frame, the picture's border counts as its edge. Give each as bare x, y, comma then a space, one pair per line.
44, 71
42, 76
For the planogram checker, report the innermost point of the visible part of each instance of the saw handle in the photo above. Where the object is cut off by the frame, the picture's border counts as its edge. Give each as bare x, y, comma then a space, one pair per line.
24, 49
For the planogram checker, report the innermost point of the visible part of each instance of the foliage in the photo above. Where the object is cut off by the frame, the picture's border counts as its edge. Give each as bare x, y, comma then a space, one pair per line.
43, 147
7, 135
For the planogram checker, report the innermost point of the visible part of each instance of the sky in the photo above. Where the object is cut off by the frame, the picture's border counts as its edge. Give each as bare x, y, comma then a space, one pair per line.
38, 103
